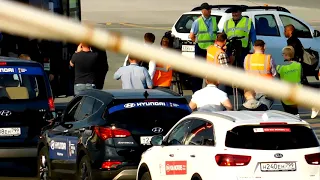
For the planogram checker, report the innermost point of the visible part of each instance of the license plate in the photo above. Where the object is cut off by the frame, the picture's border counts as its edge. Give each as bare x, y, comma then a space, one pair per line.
145, 140
272, 167
187, 48
10, 131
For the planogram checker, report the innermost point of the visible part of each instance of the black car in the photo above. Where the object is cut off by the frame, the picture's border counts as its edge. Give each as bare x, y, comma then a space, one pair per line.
25, 102
102, 134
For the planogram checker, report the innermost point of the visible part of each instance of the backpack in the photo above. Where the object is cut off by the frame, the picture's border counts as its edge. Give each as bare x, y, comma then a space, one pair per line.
310, 57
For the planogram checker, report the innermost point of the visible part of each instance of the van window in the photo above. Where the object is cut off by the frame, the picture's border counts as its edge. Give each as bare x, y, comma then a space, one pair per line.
266, 25
302, 30
184, 24
22, 84
271, 137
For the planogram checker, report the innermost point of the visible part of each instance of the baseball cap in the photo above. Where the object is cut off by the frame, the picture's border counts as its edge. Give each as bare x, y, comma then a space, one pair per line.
236, 9
205, 6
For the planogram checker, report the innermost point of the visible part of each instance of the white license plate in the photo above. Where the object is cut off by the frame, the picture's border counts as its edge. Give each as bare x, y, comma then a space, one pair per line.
187, 48
10, 131
145, 140
283, 166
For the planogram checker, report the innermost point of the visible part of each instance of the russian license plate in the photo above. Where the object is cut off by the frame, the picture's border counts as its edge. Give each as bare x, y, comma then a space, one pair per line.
10, 131
272, 167
145, 140
187, 48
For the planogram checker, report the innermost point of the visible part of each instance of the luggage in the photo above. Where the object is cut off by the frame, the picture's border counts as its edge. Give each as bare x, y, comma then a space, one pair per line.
310, 57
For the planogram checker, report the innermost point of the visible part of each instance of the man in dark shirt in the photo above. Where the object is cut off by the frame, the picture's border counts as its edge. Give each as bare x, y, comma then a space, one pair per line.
86, 64
290, 33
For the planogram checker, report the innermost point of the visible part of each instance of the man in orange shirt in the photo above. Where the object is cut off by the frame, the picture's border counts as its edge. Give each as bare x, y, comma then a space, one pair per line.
216, 53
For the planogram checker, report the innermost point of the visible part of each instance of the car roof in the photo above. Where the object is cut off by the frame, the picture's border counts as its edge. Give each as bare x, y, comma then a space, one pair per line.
250, 117
14, 60
106, 95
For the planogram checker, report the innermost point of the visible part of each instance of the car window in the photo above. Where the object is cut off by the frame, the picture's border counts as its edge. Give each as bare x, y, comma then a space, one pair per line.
85, 108
201, 133
271, 137
22, 84
71, 109
184, 24
266, 25
178, 134
96, 106
302, 30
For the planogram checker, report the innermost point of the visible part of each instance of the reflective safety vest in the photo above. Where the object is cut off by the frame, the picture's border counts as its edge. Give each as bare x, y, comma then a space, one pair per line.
162, 78
291, 73
213, 53
259, 64
242, 29
204, 39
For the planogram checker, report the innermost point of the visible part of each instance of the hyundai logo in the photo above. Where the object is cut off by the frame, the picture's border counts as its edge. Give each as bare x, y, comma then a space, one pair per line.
5, 113
157, 130
129, 105
278, 155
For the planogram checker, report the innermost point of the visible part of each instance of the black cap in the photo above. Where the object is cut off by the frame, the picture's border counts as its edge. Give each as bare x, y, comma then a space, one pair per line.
205, 6
236, 9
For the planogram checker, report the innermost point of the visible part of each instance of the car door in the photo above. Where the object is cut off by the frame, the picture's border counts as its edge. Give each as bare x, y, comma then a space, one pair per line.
198, 147
58, 141
269, 30
172, 164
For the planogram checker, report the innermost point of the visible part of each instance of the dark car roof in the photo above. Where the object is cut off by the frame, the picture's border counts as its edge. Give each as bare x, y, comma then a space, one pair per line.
17, 61
105, 95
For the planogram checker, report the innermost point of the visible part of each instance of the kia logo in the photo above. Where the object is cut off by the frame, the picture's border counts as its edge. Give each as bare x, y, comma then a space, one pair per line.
129, 105
278, 155
157, 130
5, 113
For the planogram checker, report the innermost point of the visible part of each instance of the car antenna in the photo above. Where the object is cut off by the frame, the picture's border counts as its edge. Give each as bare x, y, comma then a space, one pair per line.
145, 94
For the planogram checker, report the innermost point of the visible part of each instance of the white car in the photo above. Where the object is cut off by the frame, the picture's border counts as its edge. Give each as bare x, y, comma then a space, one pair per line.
234, 145
269, 23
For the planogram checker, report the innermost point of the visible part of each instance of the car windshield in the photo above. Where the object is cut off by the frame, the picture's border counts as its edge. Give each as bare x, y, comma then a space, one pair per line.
271, 137
185, 22
18, 84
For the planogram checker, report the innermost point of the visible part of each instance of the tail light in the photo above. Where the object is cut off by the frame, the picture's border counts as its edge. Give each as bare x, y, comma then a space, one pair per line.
107, 132
51, 104
3, 63
232, 160
110, 164
313, 159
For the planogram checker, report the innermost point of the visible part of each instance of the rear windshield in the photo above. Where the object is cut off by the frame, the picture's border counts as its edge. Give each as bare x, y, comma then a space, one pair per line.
21, 84
185, 22
271, 137
143, 114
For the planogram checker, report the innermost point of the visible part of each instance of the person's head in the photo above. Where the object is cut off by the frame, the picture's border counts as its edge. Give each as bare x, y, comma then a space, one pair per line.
236, 13
85, 47
24, 56
259, 46
149, 38
249, 94
211, 81
221, 39
206, 10
288, 30
134, 60
165, 42
288, 53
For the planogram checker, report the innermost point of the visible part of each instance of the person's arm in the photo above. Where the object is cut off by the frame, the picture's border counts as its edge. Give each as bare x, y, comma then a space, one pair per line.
192, 105
194, 31
117, 74
193, 102
73, 60
148, 78
152, 68
273, 67
126, 60
252, 34
225, 101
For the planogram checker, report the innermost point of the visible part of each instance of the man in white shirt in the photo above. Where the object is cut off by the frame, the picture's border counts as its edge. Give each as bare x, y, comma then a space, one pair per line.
149, 39
210, 98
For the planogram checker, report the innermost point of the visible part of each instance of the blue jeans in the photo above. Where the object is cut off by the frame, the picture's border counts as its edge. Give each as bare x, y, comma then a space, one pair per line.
81, 87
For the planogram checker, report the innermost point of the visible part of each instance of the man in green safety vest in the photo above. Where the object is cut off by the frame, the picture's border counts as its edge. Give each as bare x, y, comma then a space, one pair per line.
290, 72
203, 32
239, 26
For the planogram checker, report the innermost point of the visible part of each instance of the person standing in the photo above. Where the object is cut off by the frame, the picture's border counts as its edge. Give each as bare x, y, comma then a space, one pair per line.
216, 53
239, 26
203, 32
290, 72
85, 63
133, 76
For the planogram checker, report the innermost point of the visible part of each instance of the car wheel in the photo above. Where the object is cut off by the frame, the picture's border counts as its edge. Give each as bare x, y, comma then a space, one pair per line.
84, 169
44, 168
146, 176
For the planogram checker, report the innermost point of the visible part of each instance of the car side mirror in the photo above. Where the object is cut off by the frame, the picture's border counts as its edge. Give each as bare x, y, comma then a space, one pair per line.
316, 33
156, 140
